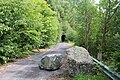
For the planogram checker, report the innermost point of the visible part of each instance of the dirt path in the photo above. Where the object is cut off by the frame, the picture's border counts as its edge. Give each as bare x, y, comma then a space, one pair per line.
27, 69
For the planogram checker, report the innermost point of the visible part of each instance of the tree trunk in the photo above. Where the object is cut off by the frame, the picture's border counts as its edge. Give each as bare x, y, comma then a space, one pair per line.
99, 56
87, 31
103, 42
87, 27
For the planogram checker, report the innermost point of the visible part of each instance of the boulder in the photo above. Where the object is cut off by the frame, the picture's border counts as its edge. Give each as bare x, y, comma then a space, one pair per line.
79, 61
51, 62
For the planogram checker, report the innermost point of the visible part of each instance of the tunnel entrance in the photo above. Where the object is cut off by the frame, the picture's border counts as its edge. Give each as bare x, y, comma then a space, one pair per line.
63, 37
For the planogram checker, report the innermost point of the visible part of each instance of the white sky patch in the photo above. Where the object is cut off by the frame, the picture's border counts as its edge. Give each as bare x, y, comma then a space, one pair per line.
96, 1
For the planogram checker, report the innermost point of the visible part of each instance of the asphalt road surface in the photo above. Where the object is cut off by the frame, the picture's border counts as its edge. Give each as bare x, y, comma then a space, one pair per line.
27, 69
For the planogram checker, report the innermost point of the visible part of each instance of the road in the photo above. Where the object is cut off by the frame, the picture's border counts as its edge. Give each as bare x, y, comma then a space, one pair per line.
27, 69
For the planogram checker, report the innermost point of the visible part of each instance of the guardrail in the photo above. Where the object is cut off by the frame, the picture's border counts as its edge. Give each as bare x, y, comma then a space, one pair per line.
111, 74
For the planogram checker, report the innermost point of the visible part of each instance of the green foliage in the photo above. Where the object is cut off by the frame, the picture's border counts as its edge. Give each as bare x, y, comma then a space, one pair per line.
24, 25
116, 57
28, 24
3, 60
113, 60
71, 34
91, 77
84, 22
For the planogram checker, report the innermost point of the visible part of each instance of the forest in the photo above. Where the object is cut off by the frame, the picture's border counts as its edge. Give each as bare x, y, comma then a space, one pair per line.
34, 24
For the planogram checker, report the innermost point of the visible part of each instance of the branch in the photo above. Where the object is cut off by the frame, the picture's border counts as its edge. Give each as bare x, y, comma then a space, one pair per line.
115, 10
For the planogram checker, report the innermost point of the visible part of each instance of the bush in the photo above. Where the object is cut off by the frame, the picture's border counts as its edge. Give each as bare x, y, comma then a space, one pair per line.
116, 57
25, 24
71, 34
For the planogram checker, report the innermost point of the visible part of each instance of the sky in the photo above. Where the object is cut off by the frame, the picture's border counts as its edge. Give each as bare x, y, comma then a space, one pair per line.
96, 1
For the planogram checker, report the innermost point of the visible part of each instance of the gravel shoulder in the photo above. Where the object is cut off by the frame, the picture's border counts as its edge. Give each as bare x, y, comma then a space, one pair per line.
27, 69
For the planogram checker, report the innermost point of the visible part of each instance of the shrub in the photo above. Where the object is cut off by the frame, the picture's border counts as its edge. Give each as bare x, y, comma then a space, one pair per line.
25, 24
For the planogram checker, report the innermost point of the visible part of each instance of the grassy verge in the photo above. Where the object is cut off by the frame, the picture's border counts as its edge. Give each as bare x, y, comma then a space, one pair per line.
71, 43
99, 76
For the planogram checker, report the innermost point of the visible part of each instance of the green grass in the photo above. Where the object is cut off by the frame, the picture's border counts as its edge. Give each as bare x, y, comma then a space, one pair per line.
71, 43
91, 77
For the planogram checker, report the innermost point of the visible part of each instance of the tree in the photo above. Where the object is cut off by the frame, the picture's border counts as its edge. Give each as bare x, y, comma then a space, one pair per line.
109, 8
24, 25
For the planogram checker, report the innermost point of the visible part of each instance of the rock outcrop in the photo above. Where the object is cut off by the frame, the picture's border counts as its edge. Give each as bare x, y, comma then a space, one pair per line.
51, 62
79, 61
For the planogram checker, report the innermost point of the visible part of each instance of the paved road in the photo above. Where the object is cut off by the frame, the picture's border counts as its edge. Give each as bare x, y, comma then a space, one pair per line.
27, 69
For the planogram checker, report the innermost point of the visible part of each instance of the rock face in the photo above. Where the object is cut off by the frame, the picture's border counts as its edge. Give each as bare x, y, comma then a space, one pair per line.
79, 61
51, 62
